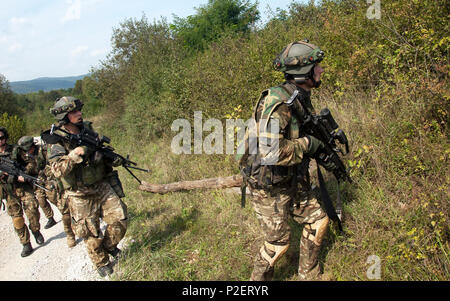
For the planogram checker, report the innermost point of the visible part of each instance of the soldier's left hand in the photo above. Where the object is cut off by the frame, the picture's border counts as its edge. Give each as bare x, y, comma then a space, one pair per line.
328, 165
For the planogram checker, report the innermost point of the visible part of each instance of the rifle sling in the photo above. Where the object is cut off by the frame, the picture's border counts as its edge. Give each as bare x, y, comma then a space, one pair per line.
329, 208
243, 192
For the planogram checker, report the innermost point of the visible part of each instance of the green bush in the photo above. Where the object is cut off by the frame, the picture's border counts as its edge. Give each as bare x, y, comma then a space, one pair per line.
14, 125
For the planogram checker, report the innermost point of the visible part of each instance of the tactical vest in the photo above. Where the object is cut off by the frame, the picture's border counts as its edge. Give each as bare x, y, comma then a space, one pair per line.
86, 173
266, 176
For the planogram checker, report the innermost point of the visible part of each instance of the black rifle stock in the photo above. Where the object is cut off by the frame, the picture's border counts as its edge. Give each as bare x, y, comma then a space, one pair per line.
92, 141
11, 167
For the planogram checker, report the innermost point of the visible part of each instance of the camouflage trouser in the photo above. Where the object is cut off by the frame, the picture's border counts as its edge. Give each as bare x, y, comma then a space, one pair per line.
41, 196
89, 205
54, 197
273, 209
23, 200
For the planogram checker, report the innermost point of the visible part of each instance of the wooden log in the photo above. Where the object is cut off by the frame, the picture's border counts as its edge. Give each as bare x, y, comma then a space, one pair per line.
211, 183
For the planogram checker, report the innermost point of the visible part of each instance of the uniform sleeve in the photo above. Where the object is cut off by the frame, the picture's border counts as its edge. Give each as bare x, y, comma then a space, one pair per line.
279, 150
60, 162
31, 168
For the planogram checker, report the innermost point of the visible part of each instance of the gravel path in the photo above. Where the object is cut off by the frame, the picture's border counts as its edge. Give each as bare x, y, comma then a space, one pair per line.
53, 261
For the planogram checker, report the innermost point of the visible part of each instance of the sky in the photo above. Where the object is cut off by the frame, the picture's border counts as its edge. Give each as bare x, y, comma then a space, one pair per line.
56, 38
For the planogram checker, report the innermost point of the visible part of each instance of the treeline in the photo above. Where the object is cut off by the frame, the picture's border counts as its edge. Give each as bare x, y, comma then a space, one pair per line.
219, 59
29, 113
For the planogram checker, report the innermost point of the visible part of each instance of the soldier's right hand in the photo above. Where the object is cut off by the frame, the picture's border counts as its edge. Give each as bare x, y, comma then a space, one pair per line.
76, 154
21, 179
79, 151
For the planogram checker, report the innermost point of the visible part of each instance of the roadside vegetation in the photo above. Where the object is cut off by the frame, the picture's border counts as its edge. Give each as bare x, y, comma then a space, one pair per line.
386, 83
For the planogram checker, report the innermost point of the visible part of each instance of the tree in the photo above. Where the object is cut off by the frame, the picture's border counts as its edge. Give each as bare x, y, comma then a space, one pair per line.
7, 97
213, 19
78, 89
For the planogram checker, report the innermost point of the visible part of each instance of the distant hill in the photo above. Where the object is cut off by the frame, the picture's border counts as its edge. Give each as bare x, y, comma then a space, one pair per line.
45, 84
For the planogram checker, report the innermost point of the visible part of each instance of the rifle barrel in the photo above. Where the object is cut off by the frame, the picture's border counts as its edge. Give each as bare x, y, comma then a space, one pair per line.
141, 169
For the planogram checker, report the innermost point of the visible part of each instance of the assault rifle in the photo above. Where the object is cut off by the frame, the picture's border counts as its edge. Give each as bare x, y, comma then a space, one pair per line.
92, 141
13, 168
325, 128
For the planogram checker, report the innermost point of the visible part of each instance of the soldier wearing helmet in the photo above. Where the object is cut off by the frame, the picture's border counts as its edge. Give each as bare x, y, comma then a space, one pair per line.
282, 188
19, 198
33, 160
84, 176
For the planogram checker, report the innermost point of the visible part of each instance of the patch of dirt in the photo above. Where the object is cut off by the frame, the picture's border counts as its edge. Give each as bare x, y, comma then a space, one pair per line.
53, 261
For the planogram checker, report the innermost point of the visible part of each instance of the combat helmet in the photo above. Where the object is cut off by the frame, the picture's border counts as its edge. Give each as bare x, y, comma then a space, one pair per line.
65, 105
4, 131
25, 143
297, 60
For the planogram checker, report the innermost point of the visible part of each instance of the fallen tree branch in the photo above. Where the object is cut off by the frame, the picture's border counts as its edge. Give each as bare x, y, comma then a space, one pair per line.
212, 183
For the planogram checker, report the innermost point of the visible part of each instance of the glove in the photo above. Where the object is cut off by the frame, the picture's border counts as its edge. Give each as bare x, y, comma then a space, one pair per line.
328, 165
314, 145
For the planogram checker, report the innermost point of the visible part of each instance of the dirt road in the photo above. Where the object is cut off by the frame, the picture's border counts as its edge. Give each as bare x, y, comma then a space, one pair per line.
53, 261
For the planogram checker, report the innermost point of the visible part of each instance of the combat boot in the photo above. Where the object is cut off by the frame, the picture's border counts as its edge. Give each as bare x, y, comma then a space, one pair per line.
312, 275
39, 238
115, 253
27, 250
51, 222
105, 270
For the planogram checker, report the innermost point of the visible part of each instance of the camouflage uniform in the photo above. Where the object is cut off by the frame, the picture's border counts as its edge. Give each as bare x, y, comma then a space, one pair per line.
34, 164
54, 195
90, 198
37, 165
274, 190
20, 198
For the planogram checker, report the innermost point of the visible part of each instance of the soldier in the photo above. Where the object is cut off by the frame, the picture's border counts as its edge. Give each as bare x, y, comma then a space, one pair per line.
19, 198
34, 163
274, 186
40, 167
83, 174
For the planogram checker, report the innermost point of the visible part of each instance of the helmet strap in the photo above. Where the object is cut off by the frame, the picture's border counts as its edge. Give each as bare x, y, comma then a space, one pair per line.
300, 80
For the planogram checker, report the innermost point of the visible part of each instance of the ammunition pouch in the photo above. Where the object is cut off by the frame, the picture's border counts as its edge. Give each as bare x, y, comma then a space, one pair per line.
114, 181
264, 176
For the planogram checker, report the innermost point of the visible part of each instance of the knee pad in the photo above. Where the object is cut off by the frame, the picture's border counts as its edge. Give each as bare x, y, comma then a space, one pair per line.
18, 222
278, 250
316, 231
119, 228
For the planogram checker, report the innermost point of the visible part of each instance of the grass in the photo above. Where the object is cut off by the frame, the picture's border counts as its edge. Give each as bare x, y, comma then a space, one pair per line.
206, 235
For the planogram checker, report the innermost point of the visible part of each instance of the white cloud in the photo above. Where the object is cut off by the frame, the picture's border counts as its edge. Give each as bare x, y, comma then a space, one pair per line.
73, 12
78, 51
97, 52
